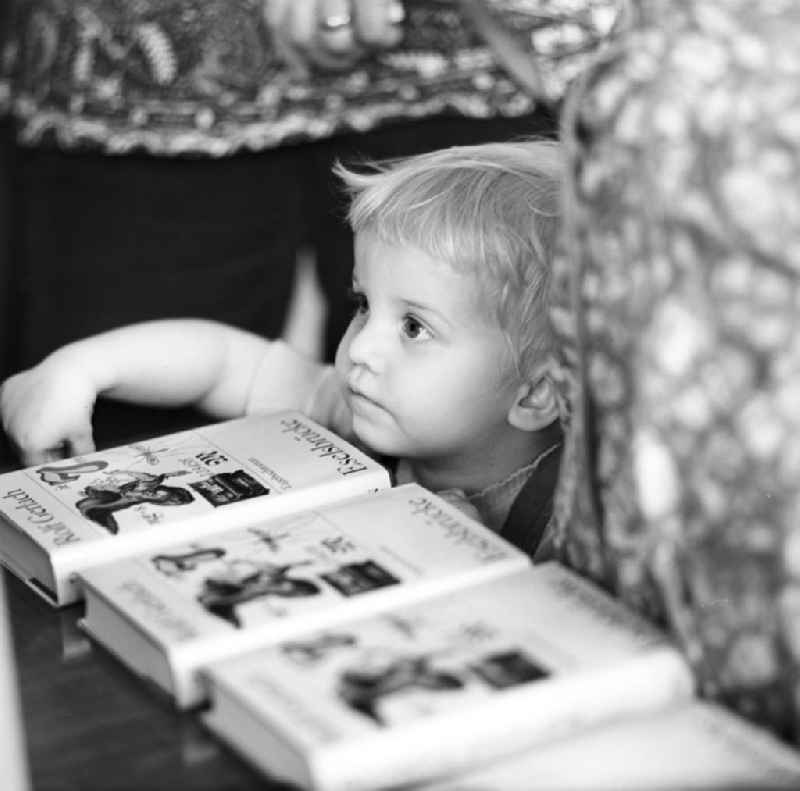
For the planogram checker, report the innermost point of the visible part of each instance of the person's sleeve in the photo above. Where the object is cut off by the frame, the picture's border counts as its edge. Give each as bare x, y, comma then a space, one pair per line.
286, 379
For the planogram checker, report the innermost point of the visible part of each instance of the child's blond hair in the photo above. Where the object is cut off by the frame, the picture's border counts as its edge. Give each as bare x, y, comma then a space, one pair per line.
490, 210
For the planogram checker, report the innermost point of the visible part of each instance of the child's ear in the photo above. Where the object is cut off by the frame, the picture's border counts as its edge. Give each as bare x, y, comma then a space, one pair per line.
535, 406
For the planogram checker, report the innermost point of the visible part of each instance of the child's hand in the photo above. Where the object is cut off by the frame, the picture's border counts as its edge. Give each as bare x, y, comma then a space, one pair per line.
47, 411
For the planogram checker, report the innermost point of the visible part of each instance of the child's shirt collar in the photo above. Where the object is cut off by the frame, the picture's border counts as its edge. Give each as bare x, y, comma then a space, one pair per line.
492, 504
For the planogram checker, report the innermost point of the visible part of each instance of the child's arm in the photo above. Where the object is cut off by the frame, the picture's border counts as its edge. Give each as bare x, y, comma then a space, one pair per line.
47, 409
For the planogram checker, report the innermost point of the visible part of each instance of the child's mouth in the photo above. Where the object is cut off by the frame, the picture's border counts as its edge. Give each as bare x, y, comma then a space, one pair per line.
360, 400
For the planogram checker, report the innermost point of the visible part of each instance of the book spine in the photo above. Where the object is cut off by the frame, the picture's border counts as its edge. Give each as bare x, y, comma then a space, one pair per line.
23, 556
505, 725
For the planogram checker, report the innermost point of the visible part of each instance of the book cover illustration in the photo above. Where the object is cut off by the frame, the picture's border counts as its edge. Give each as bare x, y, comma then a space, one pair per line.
442, 684
446, 653
143, 484
397, 673
300, 563
164, 611
401, 666
59, 518
182, 476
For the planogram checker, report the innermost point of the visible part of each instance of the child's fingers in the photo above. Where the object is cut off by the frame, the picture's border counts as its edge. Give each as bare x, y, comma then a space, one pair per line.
56, 453
34, 447
30, 457
81, 443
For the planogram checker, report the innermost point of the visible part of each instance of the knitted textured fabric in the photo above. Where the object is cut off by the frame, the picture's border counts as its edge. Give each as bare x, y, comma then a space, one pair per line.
682, 262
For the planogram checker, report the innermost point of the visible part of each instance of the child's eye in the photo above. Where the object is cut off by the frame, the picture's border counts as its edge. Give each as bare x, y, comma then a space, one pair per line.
414, 330
359, 302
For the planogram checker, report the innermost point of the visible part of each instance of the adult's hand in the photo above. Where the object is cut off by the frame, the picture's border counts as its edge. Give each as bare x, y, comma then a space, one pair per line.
333, 34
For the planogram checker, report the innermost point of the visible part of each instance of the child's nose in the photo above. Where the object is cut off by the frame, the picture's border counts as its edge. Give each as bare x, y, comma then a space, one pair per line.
365, 346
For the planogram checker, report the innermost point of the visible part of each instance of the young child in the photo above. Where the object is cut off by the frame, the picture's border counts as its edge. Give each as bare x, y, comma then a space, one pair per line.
443, 369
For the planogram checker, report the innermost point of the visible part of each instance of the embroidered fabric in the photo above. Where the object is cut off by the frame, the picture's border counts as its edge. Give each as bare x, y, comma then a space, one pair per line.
184, 76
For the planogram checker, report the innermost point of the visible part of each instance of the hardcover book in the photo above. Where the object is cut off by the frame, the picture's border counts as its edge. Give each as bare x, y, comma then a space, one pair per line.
448, 683
59, 518
167, 613
695, 746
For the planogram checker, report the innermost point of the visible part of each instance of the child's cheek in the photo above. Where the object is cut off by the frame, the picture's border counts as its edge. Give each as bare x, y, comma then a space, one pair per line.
342, 358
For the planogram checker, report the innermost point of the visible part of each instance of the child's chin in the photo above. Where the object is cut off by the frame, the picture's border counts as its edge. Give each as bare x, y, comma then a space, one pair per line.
379, 442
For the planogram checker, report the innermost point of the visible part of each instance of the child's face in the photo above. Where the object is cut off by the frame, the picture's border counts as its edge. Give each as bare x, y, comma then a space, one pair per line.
426, 370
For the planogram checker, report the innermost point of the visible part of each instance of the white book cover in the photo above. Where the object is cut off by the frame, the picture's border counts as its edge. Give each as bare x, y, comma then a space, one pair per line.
58, 518
167, 613
444, 685
686, 748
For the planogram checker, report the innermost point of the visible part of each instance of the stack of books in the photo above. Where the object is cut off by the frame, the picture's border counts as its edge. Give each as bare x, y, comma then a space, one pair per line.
56, 519
344, 634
